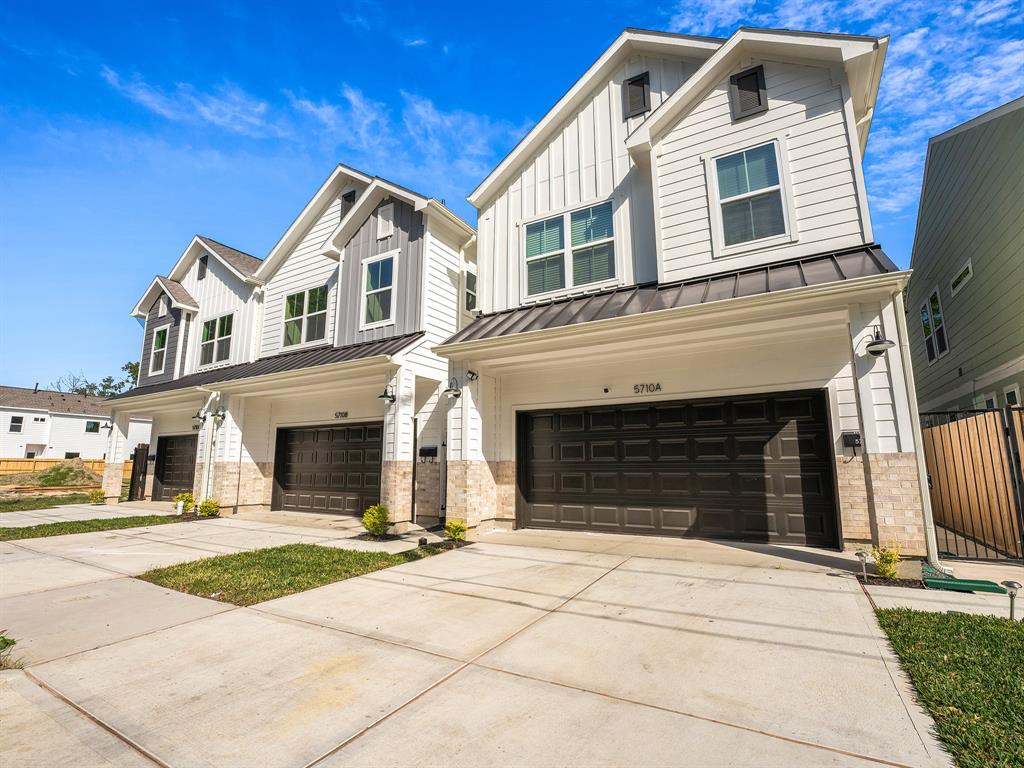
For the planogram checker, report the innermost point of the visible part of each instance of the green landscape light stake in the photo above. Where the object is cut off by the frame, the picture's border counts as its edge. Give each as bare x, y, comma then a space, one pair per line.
1011, 590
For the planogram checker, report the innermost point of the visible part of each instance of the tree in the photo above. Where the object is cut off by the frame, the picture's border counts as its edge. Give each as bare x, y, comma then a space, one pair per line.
105, 387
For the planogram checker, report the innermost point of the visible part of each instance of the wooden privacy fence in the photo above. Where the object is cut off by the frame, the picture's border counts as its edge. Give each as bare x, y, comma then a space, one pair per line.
18, 466
975, 481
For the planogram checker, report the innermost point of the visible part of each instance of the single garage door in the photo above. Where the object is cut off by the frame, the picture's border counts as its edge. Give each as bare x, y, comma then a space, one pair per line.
175, 469
328, 469
756, 468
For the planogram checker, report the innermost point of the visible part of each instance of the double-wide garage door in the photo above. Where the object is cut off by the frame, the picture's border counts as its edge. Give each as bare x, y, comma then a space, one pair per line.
756, 468
329, 468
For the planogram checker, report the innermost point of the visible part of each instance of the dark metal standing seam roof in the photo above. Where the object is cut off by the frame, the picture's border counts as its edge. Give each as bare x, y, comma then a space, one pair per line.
289, 361
863, 261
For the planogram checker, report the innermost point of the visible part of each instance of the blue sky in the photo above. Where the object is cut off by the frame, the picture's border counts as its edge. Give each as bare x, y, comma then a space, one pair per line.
125, 128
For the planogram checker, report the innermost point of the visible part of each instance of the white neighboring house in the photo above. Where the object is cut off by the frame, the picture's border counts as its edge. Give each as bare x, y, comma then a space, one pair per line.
44, 424
678, 285
305, 381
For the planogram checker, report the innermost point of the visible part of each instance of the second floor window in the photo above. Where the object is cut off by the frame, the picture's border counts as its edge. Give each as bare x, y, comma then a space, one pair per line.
591, 250
16, 423
305, 316
750, 195
470, 291
92, 427
934, 328
159, 352
378, 281
215, 346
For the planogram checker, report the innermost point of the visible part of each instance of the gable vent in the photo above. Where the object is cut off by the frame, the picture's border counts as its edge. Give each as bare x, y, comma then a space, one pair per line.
636, 95
747, 95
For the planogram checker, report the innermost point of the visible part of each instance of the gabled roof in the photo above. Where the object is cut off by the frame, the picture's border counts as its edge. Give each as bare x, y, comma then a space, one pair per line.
339, 177
377, 190
180, 298
282, 363
861, 56
241, 261
864, 261
630, 40
52, 401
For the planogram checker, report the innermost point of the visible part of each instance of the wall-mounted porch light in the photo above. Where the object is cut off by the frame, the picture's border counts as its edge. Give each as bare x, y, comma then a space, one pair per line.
878, 346
200, 417
453, 390
388, 395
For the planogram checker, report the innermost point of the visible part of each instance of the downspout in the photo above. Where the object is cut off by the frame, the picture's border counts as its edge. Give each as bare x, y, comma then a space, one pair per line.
208, 444
931, 542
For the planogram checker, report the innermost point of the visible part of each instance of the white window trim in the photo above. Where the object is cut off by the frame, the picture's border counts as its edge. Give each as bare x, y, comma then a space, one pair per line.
719, 250
305, 315
566, 215
161, 310
99, 426
153, 350
470, 269
231, 349
21, 425
931, 325
1015, 388
363, 266
390, 208
970, 274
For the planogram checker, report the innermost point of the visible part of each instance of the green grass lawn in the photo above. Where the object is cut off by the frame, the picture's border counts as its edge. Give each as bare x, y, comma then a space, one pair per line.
26, 503
969, 673
247, 578
84, 526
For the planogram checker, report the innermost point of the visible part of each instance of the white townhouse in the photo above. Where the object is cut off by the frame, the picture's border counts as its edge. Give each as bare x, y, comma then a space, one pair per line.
305, 380
46, 424
686, 327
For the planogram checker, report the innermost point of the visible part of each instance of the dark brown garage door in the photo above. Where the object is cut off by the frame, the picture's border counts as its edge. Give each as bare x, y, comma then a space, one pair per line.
756, 468
175, 469
328, 469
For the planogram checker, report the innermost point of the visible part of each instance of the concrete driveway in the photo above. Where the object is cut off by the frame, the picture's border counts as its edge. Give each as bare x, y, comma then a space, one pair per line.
496, 654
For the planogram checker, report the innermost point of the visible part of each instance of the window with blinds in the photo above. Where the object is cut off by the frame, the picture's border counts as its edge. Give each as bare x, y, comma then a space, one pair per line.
591, 254
750, 195
747, 93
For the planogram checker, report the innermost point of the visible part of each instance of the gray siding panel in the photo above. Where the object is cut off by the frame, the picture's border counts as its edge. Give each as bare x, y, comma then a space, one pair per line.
972, 207
408, 238
174, 318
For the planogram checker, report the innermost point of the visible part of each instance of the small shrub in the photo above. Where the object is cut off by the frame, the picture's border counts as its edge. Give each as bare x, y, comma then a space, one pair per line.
96, 496
187, 499
455, 530
209, 508
887, 561
376, 521
6, 643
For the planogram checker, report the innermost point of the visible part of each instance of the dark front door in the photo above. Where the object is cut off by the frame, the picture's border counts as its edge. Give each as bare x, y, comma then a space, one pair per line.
329, 468
756, 468
137, 484
175, 469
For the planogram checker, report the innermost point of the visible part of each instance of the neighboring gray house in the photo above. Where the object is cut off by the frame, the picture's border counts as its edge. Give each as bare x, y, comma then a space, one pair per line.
966, 296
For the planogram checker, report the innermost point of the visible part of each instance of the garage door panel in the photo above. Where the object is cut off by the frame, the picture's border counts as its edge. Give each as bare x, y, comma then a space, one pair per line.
328, 469
750, 467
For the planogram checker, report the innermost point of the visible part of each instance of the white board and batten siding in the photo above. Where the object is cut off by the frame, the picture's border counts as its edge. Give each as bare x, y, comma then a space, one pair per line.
584, 162
806, 114
219, 293
304, 268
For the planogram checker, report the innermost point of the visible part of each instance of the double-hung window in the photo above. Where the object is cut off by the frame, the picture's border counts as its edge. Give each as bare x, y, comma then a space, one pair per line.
16, 423
215, 346
158, 354
378, 281
750, 195
934, 328
305, 316
591, 252
470, 291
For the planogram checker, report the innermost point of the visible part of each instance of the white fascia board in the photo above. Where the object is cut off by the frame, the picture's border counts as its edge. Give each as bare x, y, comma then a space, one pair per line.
304, 219
189, 255
158, 283
856, 288
631, 38
351, 221
833, 48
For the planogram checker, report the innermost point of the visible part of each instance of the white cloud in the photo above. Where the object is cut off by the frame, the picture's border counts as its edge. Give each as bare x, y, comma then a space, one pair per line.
415, 42
228, 107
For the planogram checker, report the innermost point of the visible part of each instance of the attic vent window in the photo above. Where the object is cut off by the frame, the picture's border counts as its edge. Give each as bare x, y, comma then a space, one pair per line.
385, 221
636, 95
202, 267
747, 93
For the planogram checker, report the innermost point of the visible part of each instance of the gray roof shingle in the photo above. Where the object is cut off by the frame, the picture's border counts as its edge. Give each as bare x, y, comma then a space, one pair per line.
52, 401
243, 262
863, 261
177, 292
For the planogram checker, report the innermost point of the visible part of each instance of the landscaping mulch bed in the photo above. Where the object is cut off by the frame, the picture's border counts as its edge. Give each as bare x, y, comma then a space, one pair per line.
968, 673
246, 578
878, 581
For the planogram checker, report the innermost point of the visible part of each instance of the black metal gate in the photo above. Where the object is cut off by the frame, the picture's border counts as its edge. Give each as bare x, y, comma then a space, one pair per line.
137, 484
975, 481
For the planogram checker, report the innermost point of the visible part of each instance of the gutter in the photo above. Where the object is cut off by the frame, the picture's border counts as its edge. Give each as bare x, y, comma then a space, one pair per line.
931, 542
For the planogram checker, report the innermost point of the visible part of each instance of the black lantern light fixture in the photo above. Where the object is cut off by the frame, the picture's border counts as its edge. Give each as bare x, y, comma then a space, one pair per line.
388, 395
453, 390
878, 346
